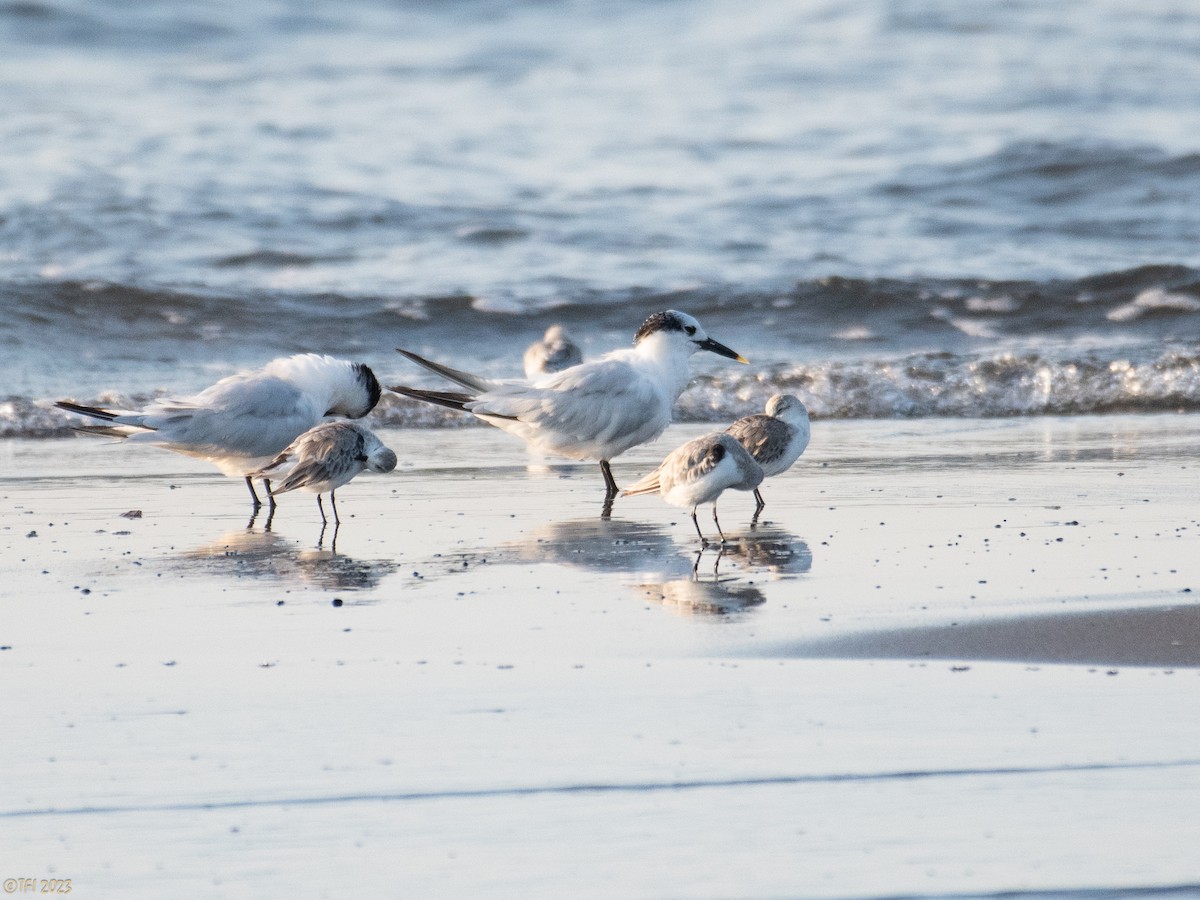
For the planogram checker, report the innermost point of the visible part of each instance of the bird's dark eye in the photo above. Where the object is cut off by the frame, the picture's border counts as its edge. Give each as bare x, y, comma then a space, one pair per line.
690, 329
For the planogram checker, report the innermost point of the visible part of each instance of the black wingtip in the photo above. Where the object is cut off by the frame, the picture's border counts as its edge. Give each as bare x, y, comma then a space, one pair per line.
92, 412
448, 399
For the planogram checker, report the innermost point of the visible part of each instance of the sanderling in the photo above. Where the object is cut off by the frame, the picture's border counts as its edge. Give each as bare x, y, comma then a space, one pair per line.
326, 457
595, 410
699, 472
242, 422
553, 353
776, 439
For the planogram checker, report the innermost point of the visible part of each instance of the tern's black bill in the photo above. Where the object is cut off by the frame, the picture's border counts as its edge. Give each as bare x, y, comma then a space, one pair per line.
721, 350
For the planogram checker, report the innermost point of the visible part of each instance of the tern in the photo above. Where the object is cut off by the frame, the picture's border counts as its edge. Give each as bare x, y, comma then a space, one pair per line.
324, 458
699, 472
242, 422
775, 439
595, 410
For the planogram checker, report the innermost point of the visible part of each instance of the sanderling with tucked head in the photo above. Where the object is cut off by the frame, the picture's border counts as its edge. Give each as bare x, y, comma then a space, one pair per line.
553, 353
699, 472
326, 457
775, 439
595, 410
242, 422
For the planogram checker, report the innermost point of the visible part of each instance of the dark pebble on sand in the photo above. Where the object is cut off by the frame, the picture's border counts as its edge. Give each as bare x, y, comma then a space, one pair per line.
337, 601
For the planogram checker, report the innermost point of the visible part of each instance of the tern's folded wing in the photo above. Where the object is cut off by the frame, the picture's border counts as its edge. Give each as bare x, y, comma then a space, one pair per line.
603, 400
237, 416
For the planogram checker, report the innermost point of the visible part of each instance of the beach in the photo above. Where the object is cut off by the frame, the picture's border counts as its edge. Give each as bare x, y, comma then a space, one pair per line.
956, 657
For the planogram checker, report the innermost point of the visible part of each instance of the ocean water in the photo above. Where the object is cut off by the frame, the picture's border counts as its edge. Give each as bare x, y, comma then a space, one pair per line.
900, 208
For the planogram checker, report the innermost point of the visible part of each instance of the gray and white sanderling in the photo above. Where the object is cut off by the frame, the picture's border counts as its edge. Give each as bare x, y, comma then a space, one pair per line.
699, 472
326, 457
775, 439
553, 353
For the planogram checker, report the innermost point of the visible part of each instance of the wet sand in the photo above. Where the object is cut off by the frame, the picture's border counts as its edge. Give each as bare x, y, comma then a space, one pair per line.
956, 658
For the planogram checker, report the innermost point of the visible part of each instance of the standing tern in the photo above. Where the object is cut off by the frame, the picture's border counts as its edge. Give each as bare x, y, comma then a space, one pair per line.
242, 422
553, 353
776, 439
324, 458
699, 472
595, 410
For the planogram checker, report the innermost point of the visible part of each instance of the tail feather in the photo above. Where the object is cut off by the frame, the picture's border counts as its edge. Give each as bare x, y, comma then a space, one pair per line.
648, 485
114, 431
449, 399
92, 412
272, 467
301, 476
465, 379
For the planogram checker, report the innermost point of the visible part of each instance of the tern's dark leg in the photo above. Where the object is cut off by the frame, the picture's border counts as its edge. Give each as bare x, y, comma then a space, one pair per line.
253, 495
270, 494
333, 502
321, 507
610, 489
697, 524
610, 483
718, 524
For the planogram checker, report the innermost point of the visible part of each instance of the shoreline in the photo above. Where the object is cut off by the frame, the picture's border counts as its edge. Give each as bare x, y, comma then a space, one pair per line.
904, 538
486, 689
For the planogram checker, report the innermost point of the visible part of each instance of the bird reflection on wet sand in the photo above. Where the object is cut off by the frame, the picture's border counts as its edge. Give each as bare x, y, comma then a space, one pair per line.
704, 594
658, 568
603, 545
771, 551
265, 554
709, 592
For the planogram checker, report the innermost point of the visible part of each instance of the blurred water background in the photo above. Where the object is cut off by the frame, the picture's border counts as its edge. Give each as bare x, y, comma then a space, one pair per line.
893, 207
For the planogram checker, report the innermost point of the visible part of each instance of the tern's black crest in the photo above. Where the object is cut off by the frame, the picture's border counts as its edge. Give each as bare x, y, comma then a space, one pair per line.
660, 321
370, 384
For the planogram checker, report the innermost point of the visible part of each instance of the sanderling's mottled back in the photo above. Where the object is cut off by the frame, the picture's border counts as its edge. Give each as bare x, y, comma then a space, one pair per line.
775, 439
